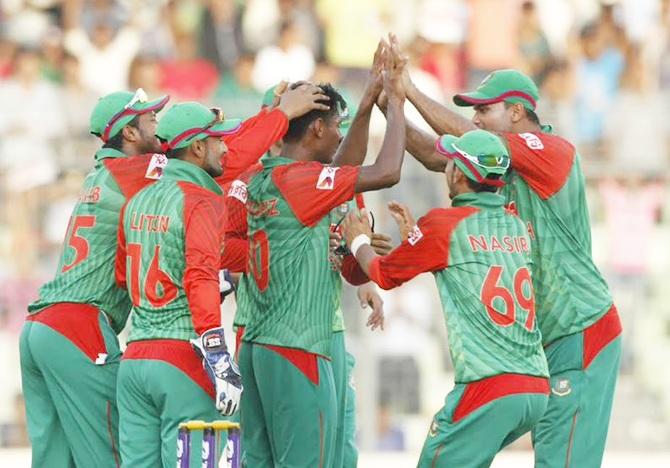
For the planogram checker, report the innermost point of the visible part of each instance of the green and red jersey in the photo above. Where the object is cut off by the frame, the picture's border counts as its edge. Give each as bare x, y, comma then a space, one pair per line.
546, 188
480, 256
86, 268
169, 254
291, 292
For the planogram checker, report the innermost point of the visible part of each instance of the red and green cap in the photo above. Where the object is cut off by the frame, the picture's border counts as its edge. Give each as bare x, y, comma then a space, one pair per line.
478, 154
268, 97
115, 111
502, 85
187, 122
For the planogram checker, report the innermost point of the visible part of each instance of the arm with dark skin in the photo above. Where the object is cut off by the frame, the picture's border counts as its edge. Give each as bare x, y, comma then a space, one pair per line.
353, 148
419, 144
385, 172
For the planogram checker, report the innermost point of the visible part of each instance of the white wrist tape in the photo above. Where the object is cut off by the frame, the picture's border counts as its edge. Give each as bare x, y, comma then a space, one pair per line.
359, 240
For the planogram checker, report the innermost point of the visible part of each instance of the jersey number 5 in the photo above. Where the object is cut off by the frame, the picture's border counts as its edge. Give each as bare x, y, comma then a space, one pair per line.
76, 241
491, 290
155, 276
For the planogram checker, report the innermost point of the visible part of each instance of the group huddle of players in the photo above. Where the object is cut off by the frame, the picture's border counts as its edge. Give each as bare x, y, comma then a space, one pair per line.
177, 211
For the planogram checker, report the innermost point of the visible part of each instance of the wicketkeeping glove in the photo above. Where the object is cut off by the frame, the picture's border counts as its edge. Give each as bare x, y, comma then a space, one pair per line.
221, 368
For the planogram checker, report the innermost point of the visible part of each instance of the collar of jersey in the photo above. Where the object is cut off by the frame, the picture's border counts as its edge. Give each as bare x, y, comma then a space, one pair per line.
104, 153
184, 171
274, 161
480, 200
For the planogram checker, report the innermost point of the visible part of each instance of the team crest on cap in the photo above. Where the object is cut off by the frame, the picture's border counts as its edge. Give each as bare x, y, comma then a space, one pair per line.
156, 166
415, 235
327, 178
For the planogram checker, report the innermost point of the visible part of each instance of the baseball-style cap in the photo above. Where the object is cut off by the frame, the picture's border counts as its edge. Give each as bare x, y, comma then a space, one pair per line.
478, 154
268, 97
187, 122
502, 85
114, 111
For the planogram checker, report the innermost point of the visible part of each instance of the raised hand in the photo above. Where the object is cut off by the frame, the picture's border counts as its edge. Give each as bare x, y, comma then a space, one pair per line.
374, 84
394, 66
402, 217
302, 99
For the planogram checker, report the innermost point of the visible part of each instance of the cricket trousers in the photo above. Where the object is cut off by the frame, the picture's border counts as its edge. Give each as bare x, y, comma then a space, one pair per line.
345, 453
69, 362
288, 407
161, 384
479, 418
584, 368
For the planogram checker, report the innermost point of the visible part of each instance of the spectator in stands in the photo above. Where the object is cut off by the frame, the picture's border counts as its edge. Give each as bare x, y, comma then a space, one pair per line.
236, 91
290, 59
533, 44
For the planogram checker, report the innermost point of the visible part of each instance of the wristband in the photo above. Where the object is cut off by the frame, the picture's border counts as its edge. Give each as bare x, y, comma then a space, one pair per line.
359, 240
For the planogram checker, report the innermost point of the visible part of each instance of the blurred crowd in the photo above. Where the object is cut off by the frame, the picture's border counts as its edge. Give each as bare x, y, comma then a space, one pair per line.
603, 68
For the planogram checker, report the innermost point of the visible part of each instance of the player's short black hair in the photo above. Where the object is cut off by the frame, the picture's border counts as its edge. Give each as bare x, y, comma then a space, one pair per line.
298, 126
116, 142
478, 187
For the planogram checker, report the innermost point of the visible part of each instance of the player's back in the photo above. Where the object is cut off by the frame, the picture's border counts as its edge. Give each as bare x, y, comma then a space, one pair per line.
487, 292
85, 272
290, 293
154, 236
546, 187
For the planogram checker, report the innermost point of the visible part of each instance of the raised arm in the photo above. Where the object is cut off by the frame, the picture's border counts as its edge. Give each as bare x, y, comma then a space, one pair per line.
385, 172
353, 148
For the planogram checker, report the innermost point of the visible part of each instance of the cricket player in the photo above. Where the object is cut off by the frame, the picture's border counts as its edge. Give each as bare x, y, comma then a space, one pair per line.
288, 406
236, 253
69, 351
479, 253
168, 258
71, 393
580, 327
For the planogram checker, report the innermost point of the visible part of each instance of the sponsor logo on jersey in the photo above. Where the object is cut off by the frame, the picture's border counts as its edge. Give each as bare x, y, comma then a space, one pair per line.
156, 166
327, 178
532, 141
264, 208
415, 235
238, 189
561, 387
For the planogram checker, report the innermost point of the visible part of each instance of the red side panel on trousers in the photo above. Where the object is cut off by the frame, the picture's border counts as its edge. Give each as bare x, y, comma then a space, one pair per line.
600, 334
76, 322
478, 394
176, 352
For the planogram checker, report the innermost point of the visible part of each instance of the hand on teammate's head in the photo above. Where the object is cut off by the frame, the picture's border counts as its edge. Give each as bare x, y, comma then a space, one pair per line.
301, 99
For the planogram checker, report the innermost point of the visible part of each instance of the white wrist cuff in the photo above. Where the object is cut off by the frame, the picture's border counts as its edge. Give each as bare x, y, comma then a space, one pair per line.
359, 240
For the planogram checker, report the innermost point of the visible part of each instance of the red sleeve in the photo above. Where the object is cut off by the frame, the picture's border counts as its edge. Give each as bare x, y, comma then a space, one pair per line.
352, 271
426, 249
312, 189
120, 261
236, 246
253, 140
134, 173
203, 221
544, 161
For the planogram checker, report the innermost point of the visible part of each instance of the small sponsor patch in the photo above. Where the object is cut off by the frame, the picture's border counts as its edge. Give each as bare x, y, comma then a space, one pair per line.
532, 141
101, 359
156, 166
561, 387
238, 189
327, 178
213, 341
415, 235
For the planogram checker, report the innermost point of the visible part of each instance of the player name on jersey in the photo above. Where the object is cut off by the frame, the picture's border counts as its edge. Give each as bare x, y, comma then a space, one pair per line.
506, 244
149, 223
